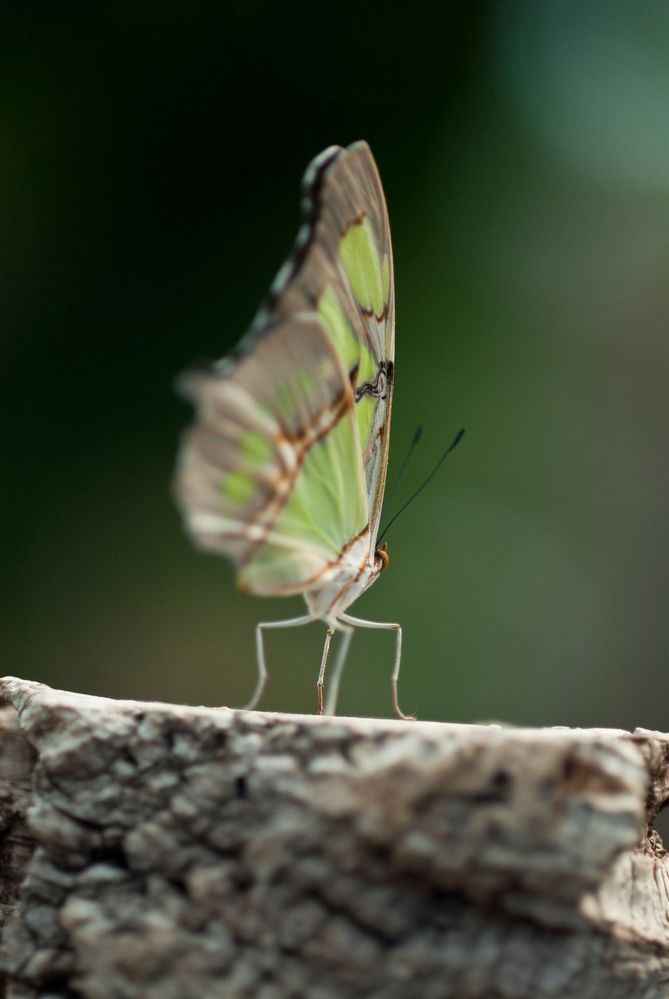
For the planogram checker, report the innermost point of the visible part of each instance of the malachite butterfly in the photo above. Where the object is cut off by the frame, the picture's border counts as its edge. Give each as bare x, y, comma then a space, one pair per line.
285, 466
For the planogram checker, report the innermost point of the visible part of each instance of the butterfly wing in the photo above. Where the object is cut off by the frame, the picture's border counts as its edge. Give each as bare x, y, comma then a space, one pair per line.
268, 475
342, 268
286, 463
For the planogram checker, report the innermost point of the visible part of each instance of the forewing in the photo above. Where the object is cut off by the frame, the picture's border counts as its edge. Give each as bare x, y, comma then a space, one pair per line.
342, 269
270, 472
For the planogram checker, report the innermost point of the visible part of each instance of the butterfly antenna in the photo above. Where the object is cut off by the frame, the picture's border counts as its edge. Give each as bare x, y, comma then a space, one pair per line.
454, 443
416, 437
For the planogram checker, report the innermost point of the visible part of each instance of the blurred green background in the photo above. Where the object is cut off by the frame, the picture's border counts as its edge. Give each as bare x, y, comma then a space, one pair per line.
151, 159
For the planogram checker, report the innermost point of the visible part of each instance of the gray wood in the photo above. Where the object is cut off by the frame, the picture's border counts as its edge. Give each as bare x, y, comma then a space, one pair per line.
196, 852
16, 844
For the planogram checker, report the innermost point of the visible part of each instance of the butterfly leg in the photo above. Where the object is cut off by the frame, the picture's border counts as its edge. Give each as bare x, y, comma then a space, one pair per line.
333, 685
321, 673
359, 623
293, 622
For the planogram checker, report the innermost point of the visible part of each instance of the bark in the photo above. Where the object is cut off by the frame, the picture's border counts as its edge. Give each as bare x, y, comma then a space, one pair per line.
174, 852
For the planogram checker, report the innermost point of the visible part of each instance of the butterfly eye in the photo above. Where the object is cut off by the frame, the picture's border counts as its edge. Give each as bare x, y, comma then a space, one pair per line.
382, 557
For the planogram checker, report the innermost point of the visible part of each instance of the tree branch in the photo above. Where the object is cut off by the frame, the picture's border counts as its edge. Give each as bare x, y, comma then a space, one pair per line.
196, 852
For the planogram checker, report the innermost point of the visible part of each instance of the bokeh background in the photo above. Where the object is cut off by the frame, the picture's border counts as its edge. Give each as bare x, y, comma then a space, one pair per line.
150, 165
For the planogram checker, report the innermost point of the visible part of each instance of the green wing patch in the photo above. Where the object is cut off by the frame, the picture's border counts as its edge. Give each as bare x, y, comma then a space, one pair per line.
360, 254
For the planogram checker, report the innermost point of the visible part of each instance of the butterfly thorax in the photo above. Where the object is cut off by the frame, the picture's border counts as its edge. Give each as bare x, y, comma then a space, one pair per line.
355, 570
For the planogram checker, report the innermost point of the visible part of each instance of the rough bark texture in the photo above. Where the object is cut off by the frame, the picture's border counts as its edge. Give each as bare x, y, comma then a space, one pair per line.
192, 852
16, 844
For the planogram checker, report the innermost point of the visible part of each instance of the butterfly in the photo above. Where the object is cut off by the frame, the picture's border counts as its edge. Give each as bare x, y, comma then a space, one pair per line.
285, 467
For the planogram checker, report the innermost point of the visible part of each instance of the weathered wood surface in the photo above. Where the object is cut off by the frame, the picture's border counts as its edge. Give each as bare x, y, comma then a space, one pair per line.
193, 852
